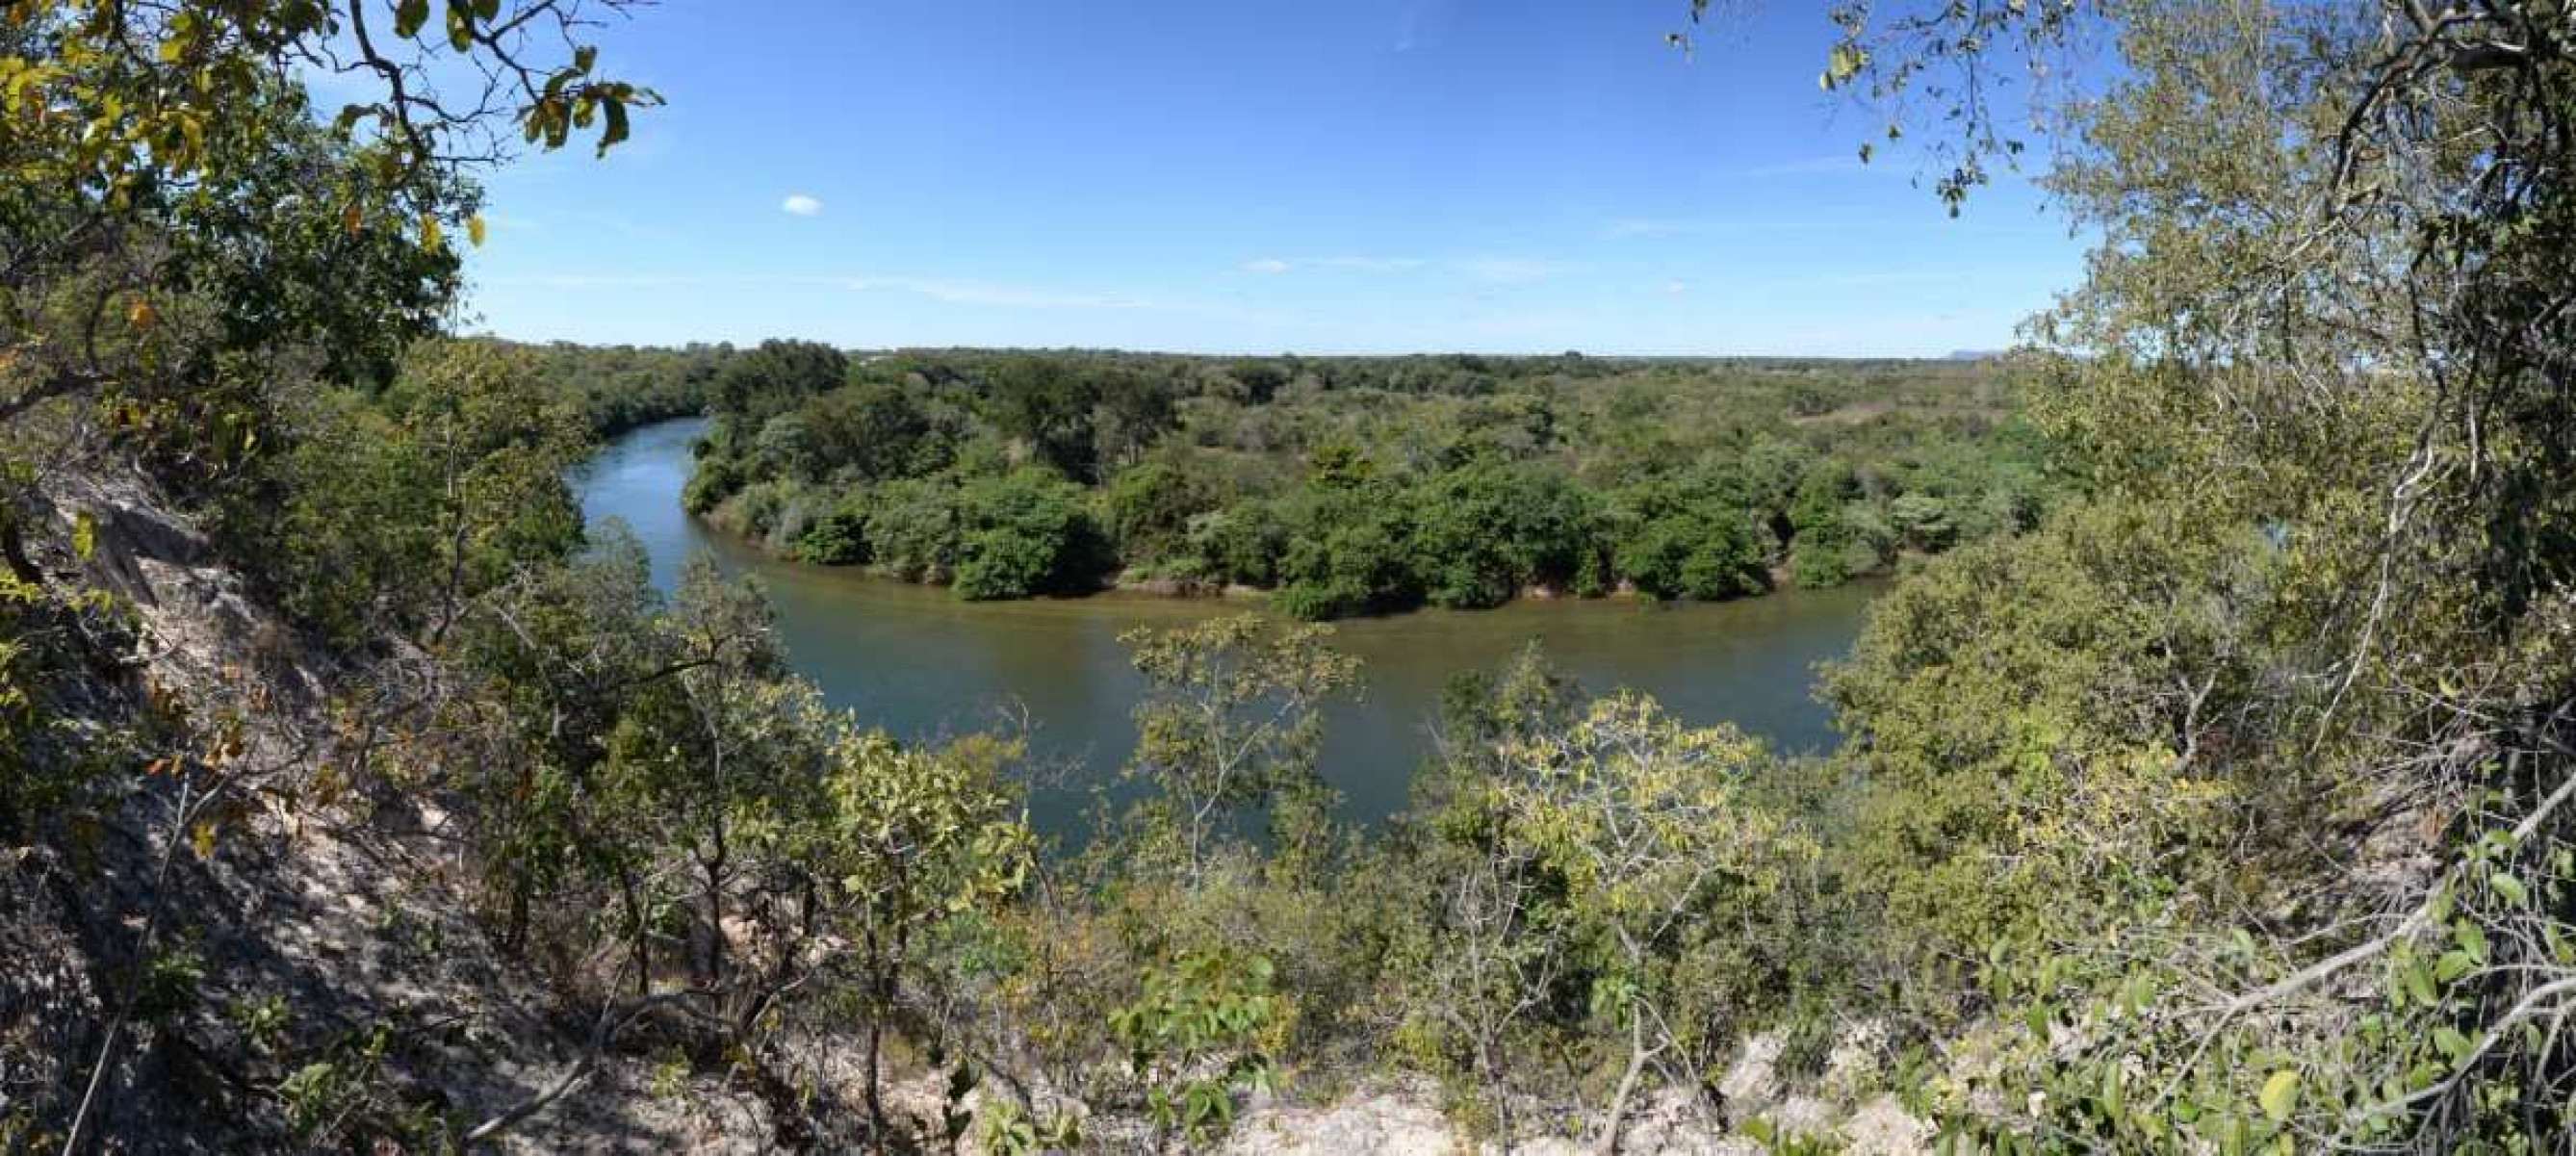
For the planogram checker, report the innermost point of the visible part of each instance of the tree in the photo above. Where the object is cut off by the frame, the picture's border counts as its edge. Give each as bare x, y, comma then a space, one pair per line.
1135, 411
1487, 959
1643, 824
1820, 540
2311, 346
1150, 507
1026, 532
876, 430
1924, 520
776, 377
1230, 721
1485, 530
389, 514
1689, 539
912, 839
1048, 405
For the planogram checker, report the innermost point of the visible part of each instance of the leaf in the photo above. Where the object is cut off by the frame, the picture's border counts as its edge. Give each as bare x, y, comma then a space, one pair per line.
2419, 983
2509, 887
2280, 1095
474, 230
409, 15
84, 535
431, 238
2472, 941
140, 314
201, 839
616, 130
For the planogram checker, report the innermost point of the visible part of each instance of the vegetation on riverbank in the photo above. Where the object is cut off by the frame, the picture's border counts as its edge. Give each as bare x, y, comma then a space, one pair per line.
354, 796
1362, 485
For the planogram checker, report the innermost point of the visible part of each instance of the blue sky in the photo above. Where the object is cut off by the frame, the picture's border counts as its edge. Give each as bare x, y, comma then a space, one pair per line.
1319, 177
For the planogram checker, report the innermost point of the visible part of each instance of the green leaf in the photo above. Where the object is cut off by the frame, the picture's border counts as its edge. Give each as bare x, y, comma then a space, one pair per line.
460, 25
2509, 887
84, 535
616, 130
2419, 983
2472, 941
2280, 1095
409, 15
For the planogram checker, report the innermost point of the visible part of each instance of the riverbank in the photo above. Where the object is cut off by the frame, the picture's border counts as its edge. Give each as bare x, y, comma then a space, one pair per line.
1147, 583
921, 662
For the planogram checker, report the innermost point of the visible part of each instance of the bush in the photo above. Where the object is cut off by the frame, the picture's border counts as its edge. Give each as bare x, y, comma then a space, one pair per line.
1150, 507
1027, 533
1483, 531
838, 538
715, 479
914, 527
1705, 554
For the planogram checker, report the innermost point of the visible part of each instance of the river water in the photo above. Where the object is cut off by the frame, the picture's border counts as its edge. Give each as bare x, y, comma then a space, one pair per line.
919, 662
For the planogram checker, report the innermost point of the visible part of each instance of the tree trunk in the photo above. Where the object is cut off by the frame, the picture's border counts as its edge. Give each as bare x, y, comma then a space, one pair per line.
1609, 1142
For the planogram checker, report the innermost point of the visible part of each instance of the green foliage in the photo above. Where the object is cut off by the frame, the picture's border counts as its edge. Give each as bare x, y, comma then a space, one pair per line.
171, 983
390, 513
1359, 486
1196, 1036
1149, 509
773, 378
1026, 532
1230, 721
1048, 406
1488, 529
838, 538
1007, 1130
2024, 782
1690, 539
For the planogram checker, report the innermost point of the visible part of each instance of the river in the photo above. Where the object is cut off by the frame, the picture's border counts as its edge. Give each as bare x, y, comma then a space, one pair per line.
919, 662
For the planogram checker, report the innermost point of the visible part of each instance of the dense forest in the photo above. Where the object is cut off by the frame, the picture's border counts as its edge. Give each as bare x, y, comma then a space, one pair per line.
1359, 485
2210, 794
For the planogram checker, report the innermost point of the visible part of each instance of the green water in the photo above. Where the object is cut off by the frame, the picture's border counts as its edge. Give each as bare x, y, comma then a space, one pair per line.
918, 662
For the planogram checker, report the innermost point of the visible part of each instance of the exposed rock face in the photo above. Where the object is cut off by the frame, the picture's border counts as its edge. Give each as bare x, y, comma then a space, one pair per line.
296, 940
1387, 1122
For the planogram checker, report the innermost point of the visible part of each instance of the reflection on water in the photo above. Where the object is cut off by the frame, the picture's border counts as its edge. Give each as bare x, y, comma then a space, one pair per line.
917, 661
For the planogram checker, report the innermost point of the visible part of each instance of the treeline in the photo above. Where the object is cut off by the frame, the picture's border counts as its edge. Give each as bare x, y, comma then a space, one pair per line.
616, 388
1362, 485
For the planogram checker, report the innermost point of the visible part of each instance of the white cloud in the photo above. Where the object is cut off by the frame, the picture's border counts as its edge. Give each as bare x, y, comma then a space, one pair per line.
1266, 266
801, 205
1676, 288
